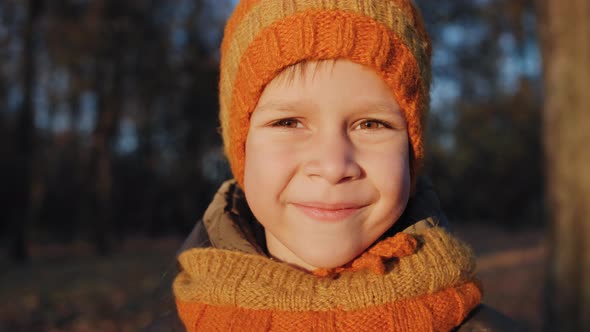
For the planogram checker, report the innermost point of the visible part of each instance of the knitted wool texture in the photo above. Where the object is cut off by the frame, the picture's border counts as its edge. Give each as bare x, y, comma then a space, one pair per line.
426, 288
263, 37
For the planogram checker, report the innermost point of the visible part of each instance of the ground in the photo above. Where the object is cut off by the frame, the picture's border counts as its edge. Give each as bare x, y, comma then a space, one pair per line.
511, 266
68, 288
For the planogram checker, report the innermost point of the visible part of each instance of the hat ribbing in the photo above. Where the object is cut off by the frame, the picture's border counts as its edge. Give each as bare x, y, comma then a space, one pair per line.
263, 37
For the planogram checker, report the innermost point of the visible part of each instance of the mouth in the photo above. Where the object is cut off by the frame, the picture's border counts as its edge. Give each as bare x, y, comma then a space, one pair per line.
328, 212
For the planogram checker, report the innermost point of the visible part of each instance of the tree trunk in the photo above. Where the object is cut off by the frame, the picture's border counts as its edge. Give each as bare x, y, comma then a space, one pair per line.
25, 141
109, 103
564, 28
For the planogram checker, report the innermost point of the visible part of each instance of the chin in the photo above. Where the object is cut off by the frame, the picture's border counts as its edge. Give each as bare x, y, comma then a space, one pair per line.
330, 261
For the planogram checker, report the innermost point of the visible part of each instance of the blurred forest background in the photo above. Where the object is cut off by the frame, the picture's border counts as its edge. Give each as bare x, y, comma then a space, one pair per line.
109, 116
108, 136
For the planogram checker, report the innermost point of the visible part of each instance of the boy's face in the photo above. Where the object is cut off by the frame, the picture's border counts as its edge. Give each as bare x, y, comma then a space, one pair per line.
327, 164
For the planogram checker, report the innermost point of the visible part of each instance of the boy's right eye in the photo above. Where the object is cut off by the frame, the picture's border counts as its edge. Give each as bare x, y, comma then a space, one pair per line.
287, 123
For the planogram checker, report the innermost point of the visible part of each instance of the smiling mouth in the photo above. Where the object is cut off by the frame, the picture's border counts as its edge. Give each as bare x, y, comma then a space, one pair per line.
328, 212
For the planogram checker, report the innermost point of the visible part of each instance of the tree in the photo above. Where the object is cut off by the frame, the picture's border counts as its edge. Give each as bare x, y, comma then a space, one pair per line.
24, 137
563, 27
486, 130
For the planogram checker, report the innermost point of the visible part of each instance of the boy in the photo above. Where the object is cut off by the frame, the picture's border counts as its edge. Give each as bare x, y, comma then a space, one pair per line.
325, 226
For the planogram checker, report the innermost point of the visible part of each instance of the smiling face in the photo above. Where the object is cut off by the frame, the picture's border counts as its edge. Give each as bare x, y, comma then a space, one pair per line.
327, 164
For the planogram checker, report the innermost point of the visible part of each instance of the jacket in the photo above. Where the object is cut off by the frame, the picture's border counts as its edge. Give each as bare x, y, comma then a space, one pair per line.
423, 210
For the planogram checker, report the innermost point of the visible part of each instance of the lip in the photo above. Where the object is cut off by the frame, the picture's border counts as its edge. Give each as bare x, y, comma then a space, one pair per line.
328, 212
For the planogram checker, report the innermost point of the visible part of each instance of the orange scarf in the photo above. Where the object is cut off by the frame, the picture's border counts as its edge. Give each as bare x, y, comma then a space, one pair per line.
422, 282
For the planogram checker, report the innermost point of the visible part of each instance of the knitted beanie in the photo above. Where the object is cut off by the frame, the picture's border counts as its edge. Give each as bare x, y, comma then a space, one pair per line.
263, 37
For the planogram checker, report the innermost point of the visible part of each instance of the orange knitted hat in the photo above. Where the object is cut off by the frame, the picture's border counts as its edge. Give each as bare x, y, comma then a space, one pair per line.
263, 37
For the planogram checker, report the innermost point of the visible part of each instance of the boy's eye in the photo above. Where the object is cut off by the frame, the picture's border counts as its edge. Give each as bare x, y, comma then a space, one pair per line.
287, 123
372, 124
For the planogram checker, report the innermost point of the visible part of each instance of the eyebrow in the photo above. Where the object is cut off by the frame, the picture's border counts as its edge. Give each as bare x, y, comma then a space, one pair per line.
381, 107
370, 107
282, 106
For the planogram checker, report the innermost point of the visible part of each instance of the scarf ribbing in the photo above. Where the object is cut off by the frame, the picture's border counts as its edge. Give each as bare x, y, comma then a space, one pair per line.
432, 289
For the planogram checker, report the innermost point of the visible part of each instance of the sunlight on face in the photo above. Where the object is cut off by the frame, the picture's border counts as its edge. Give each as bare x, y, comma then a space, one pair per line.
327, 164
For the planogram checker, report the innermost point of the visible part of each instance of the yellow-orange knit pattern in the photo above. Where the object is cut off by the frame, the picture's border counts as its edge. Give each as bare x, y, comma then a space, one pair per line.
397, 246
263, 37
426, 284
441, 311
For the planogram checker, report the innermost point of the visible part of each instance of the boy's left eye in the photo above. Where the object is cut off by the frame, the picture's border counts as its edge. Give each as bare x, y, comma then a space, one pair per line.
372, 124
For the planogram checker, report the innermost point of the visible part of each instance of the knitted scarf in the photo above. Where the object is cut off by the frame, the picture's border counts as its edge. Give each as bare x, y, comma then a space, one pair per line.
407, 282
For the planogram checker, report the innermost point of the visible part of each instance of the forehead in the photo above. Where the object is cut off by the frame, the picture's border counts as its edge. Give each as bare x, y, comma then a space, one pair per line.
329, 81
302, 70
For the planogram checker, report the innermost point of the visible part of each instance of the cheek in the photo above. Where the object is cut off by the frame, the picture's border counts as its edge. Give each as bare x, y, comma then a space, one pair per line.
389, 171
267, 168
393, 185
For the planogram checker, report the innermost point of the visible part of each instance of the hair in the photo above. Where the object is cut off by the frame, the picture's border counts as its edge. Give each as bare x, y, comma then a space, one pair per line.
300, 69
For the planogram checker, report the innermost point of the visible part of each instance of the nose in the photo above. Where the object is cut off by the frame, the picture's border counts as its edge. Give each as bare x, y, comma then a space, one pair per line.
332, 158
